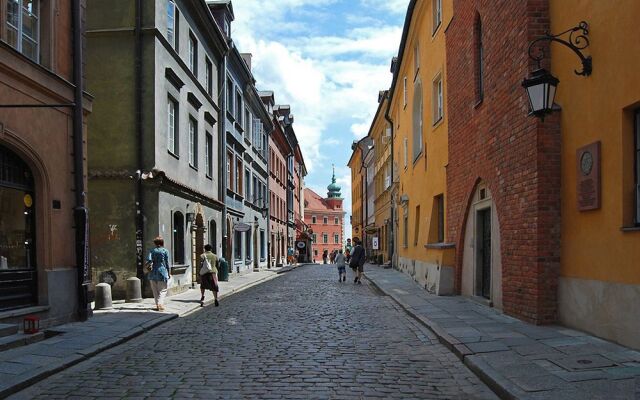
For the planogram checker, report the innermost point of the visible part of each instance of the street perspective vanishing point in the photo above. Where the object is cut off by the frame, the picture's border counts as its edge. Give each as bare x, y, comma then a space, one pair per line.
364, 199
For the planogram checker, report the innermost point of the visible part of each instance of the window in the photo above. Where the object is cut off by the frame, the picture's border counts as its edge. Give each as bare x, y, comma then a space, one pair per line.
229, 96
479, 60
193, 54
315, 252
416, 228
438, 102
22, 30
239, 107
237, 245
417, 121
263, 246
637, 165
171, 22
247, 183
178, 238
405, 231
249, 251
238, 187
405, 151
193, 142
325, 220
213, 233
314, 220
255, 189
440, 209
229, 170
437, 14
208, 161
336, 238
247, 124
209, 76
172, 125
325, 238
404, 92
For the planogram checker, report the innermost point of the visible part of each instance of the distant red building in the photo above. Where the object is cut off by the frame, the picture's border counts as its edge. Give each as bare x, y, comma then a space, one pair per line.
325, 219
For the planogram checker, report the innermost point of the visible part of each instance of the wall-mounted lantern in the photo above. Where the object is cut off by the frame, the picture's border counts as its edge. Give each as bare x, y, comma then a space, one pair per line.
541, 86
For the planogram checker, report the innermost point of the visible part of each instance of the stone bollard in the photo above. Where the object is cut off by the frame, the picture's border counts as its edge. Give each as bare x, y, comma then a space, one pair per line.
103, 297
134, 290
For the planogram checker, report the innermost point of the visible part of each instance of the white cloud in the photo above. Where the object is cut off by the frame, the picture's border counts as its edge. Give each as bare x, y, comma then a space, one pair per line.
394, 6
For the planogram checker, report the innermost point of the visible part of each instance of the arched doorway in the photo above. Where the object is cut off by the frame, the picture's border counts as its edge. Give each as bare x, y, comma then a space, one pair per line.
18, 280
481, 259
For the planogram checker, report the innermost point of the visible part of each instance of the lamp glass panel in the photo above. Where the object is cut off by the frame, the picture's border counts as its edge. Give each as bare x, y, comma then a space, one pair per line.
551, 95
536, 96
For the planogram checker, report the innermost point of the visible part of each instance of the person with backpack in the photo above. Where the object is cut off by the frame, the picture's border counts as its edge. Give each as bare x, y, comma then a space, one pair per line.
209, 274
342, 272
357, 260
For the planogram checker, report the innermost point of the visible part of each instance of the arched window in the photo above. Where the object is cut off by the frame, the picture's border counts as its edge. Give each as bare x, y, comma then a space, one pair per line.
213, 236
417, 115
178, 238
479, 55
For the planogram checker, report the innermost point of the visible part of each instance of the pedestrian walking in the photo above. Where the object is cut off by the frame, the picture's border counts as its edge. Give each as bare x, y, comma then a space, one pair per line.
209, 274
332, 257
325, 255
159, 271
357, 260
342, 269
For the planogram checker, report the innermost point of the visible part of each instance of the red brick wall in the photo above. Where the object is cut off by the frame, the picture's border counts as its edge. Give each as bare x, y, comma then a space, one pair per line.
516, 155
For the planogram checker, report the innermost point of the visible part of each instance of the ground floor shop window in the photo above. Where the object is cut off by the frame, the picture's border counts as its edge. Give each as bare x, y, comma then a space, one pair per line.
178, 238
213, 236
248, 241
17, 232
237, 245
263, 247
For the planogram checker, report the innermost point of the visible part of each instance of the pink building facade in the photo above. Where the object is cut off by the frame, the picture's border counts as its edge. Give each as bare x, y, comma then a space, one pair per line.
325, 219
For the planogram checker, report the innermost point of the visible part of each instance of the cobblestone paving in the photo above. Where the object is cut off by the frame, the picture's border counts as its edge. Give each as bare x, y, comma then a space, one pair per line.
301, 336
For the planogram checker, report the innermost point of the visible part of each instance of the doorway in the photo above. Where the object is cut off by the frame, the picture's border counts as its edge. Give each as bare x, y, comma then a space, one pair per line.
483, 253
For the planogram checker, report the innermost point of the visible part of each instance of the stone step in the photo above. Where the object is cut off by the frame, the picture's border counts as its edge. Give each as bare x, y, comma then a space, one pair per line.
20, 339
8, 329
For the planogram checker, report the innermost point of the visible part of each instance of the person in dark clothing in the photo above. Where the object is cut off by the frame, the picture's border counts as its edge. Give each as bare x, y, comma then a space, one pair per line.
357, 260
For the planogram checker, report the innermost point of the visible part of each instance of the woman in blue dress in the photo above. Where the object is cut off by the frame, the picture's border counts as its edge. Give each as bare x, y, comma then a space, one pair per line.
159, 272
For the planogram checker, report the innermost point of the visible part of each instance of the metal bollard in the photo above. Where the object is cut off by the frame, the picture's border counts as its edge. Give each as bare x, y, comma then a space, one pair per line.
103, 297
134, 290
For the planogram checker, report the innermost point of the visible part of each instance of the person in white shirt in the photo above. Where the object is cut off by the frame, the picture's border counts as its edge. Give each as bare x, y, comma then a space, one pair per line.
342, 268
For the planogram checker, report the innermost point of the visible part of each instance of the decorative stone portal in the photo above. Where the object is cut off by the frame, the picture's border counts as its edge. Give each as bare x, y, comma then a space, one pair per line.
481, 259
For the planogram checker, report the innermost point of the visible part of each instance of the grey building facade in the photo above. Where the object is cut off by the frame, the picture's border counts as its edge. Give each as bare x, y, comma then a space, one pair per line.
244, 155
153, 148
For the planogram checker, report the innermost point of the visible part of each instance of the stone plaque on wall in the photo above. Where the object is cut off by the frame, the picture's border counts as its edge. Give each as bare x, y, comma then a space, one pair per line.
588, 174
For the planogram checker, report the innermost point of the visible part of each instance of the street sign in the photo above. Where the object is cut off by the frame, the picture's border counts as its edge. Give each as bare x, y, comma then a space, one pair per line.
301, 245
241, 227
374, 243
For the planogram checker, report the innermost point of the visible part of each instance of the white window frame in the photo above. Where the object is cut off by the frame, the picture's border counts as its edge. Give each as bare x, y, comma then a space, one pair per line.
314, 219
171, 23
208, 160
438, 99
416, 60
325, 221
404, 93
19, 29
193, 142
336, 238
208, 75
405, 143
193, 54
325, 238
172, 123
336, 221
437, 15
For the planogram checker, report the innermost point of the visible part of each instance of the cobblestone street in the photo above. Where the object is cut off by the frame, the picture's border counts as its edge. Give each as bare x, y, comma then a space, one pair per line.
303, 335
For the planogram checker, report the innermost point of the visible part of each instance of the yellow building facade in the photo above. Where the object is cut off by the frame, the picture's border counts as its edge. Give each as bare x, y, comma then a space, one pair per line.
355, 163
380, 132
599, 286
417, 107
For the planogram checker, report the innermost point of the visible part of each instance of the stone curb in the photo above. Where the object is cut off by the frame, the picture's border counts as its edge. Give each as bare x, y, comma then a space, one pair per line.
85, 354
504, 389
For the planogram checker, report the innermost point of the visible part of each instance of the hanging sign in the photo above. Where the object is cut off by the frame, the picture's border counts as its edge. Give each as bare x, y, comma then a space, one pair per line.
241, 227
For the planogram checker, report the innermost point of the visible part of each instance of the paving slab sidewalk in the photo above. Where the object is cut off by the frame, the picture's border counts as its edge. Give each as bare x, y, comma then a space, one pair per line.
75, 342
516, 359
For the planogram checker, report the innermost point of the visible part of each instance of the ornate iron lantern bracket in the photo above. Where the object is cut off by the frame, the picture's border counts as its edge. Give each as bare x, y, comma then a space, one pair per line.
578, 40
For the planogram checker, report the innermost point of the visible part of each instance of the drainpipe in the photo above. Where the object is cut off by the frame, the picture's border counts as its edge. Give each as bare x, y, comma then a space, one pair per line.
81, 213
391, 208
222, 153
139, 195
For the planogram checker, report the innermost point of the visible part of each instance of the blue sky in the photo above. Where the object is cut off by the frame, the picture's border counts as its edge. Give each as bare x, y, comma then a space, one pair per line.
327, 59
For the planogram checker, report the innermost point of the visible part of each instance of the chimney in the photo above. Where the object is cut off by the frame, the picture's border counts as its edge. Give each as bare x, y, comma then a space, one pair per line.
247, 59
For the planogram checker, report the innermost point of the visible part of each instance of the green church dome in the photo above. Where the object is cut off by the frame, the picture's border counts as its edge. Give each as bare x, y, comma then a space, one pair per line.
333, 188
